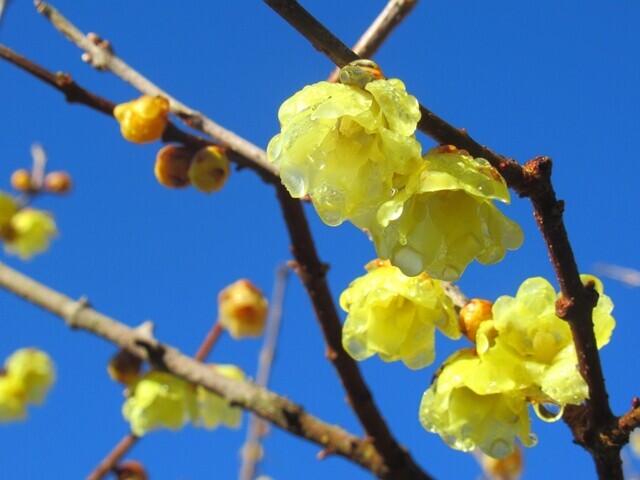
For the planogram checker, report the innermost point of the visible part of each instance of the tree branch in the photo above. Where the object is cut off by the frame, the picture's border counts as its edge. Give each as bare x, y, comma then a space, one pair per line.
395, 458
371, 40
533, 181
266, 404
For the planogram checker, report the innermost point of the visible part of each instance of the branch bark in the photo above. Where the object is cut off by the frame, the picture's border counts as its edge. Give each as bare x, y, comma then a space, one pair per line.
264, 403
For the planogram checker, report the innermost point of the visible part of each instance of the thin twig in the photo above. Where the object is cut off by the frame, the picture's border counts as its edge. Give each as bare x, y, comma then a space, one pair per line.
275, 409
396, 459
360, 397
533, 181
102, 57
113, 457
371, 40
208, 342
256, 428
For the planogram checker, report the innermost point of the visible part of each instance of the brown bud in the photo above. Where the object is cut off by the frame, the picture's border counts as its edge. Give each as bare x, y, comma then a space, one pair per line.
21, 180
172, 166
124, 367
472, 315
130, 470
58, 182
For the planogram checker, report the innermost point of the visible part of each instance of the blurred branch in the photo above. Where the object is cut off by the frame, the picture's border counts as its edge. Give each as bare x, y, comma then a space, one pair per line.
128, 441
369, 43
312, 271
266, 404
533, 181
252, 450
113, 457
628, 276
101, 56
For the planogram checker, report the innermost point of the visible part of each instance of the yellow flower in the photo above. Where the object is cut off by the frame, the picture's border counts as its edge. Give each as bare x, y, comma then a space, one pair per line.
395, 316
13, 401
539, 344
214, 410
159, 400
34, 370
465, 419
144, 119
242, 309
445, 217
349, 147
209, 169
29, 232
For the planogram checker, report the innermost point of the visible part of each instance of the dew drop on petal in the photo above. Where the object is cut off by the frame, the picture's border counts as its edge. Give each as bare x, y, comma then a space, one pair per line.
548, 412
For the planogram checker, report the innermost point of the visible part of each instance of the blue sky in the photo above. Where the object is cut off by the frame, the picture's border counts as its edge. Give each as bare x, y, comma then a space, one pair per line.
525, 78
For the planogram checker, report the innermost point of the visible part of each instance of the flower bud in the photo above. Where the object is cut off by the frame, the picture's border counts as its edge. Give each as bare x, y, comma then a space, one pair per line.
472, 315
21, 180
58, 182
130, 470
508, 468
29, 232
172, 166
143, 120
124, 367
242, 309
209, 169
34, 370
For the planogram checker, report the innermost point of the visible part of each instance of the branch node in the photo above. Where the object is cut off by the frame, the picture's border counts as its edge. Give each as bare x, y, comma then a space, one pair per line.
71, 318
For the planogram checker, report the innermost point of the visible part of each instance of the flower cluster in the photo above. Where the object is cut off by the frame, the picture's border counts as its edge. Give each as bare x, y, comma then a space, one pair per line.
24, 231
160, 400
396, 316
523, 355
178, 167
351, 147
27, 377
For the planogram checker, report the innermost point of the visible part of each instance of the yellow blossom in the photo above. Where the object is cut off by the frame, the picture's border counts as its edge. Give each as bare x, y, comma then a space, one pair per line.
465, 419
242, 309
209, 169
144, 119
396, 316
350, 147
34, 370
8, 208
159, 400
214, 410
445, 217
13, 399
29, 232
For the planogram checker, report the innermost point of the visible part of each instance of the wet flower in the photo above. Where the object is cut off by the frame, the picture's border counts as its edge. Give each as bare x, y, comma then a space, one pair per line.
214, 410
159, 400
445, 217
242, 309
349, 146
144, 119
466, 419
396, 316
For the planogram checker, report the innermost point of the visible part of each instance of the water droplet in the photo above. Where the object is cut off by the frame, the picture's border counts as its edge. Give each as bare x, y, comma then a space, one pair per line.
548, 412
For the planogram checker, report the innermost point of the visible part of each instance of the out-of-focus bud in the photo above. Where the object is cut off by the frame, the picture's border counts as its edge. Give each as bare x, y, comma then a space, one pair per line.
472, 315
242, 309
21, 180
130, 470
172, 166
508, 468
209, 169
124, 367
58, 182
143, 120
29, 232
